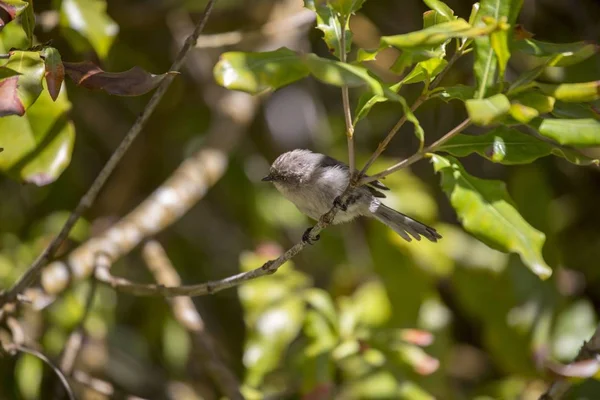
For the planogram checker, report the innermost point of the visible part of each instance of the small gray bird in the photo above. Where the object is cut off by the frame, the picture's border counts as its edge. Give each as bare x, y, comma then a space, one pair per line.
313, 181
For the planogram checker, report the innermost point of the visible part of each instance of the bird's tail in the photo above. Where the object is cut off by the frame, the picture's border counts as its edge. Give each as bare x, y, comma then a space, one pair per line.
404, 225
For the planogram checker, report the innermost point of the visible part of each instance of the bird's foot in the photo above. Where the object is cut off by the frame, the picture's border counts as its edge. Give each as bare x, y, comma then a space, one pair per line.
337, 202
306, 238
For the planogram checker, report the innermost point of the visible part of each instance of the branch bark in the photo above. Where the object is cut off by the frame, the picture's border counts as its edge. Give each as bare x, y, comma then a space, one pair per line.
87, 200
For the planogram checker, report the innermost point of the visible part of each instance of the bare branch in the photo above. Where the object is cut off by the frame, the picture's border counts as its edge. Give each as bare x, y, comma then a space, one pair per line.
589, 351
417, 156
186, 314
86, 201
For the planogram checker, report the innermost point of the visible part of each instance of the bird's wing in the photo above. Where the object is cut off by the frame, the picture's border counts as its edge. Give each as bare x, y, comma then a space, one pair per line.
327, 161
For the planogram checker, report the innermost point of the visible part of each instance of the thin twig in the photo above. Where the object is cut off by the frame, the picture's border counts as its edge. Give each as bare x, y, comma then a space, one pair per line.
86, 201
347, 111
56, 370
420, 100
589, 350
417, 156
186, 314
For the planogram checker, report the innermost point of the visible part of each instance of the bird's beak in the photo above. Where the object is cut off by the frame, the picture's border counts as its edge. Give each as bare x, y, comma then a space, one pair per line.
268, 178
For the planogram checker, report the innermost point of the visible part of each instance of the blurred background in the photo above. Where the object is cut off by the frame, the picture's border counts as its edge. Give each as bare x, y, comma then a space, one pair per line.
492, 324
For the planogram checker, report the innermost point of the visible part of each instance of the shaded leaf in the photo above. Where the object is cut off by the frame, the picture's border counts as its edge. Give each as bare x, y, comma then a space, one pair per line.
329, 23
346, 7
487, 211
259, 72
574, 110
340, 74
458, 92
55, 71
573, 132
574, 325
38, 145
12, 36
509, 146
572, 92
13, 8
436, 35
487, 111
433, 17
133, 82
28, 22
564, 54
88, 20
367, 100
321, 301
441, 8
542, 103
20, 82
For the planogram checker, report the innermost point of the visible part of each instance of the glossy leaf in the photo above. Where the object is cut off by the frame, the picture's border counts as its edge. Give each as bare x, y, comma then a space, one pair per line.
487, 211
436, 35
340, 74
55, 71
573, 132
441, 8
20, 82
259, 72
38, 145
133, 82
13, 8
88, 20
458, 92
487, 111
565, 54
572, 92
329, 23
485, 67
508, 146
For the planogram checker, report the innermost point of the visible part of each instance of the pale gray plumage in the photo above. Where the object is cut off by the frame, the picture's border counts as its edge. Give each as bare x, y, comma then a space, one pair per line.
312, 181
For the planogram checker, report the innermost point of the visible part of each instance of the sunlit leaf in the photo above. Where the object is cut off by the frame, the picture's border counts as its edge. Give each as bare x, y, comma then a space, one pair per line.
500, 45
485, 67
366, 54
87, 23
321, 301
13, 8
574, 325
20, 82
487, 211
436, 35
425, 71
133, 82
55, 71
458, 92
38, 145
373, 305
258, 72
441, 8
572, 92
341, 74
346, 7
29, 372
329, 23
542, 103
508, 146
565, 53
487, 111
522, 113
574, 132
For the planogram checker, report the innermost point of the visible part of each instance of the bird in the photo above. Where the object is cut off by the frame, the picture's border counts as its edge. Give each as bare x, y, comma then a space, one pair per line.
314, 181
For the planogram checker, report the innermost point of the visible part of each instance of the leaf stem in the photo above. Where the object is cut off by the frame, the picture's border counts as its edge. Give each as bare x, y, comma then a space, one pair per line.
418, 155
346, 104
87, 200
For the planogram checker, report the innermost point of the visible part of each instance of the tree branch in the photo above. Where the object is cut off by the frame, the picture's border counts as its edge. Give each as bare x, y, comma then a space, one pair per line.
417, 156
186, 314
86, 201
346, 105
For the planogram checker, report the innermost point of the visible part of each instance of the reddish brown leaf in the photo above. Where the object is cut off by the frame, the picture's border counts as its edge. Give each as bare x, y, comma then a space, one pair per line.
522, 33
55, 71
9, 9
133, 82
10, 104
417, 337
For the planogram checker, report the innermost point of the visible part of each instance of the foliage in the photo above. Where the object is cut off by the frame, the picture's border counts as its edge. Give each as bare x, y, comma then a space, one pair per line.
484, 313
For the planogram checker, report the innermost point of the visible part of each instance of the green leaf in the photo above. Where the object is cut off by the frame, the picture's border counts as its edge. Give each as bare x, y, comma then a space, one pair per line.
346, 7
329, 23
86, 23
441, 8
321, 301
341, 74
458, 92
499, 43
28, 22
487, 111
436, 35
574, 110
573, 132
572, 92
522, 113
486, 62
20, 82
425, 71
13, 8
259, 72
487, 211
410, 116
509, 146
564, 54
366, 55
29, 371
432, 17
528, 105
55, 70
574, 325
38, 145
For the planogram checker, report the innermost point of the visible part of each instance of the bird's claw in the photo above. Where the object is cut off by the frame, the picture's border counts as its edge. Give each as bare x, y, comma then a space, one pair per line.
337, 202
306, 238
